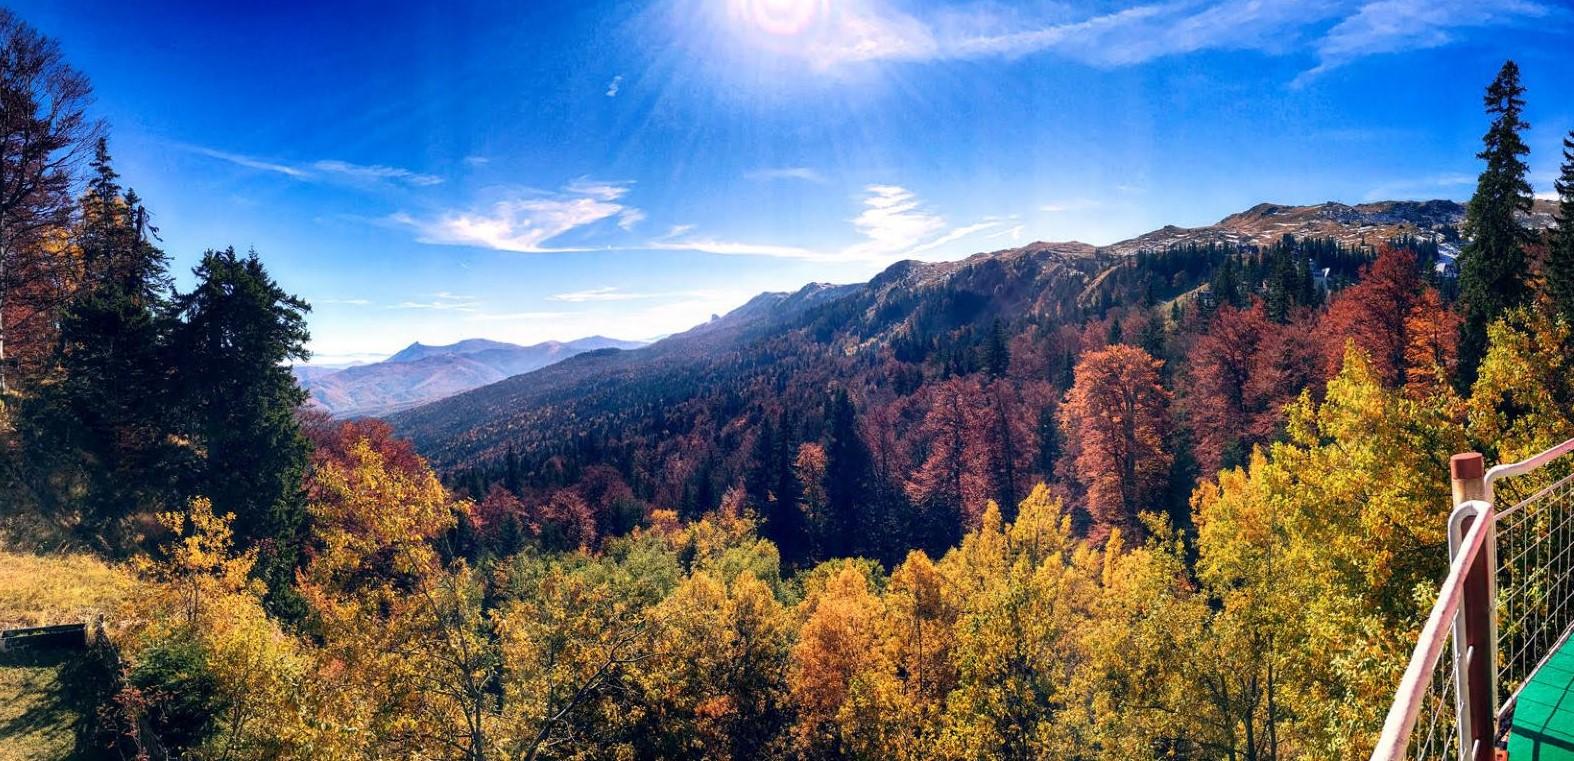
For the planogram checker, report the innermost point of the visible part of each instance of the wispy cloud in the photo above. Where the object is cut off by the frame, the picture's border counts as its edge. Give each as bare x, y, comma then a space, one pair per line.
737, 248
599, 294
443, 301
526, 222
343, 302
802, 173
893, 223
612, 87
1014, 233
376, 173
1074, 204
324, 169
249, 162
1390, 26
1134, 32
629, 218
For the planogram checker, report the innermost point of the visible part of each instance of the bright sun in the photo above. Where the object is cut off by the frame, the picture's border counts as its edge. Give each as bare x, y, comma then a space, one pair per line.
782, 18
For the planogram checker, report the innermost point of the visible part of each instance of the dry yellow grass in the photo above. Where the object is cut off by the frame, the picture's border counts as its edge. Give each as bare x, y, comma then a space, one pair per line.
39, 590
37, 710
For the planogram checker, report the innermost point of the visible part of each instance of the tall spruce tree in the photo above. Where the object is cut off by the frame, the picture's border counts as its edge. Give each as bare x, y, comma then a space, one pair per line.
1560, 255
111, 405
997, 353
1492, 264
237, 330
850, 520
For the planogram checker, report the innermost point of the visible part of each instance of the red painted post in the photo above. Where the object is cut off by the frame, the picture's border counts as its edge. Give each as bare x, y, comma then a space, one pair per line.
1468, 472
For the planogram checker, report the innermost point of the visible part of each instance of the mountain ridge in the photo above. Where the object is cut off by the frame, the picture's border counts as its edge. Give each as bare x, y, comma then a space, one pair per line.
422, 373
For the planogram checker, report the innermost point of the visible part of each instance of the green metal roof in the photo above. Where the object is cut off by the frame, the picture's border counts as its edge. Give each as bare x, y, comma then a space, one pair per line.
1543, 724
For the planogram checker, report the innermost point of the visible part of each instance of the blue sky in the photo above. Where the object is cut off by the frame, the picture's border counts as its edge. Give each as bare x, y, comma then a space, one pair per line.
533, 170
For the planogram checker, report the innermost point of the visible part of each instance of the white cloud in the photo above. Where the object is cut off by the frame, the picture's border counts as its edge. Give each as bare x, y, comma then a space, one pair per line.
325, 169
1389, 26
612, 87
628, 218
737, 248
250, 162
1074, 204
892, 224
477, 160
344, 302
803, 173
598, 294
892, 221
1014, 233
526, 222
1134, 32
443, 301
376, 173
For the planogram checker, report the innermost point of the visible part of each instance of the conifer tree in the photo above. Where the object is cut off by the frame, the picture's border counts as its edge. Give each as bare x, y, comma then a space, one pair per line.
112, 400
1492, 264
1560, 255
997, 355
238, 329
847, 476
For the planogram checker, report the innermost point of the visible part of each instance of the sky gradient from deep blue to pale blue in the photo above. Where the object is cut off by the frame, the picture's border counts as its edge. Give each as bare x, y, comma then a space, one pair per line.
525, 171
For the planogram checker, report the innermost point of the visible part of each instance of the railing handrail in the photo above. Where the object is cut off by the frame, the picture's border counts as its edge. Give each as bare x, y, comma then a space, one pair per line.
1401, 719
1526, 465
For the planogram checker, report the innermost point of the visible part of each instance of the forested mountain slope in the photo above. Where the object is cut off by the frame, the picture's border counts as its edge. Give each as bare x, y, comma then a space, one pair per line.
931, 361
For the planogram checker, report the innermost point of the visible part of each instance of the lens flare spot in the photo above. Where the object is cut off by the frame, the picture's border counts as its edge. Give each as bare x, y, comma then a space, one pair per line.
780, 18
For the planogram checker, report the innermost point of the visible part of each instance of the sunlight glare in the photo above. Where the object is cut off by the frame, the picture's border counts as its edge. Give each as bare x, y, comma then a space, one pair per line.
779, 18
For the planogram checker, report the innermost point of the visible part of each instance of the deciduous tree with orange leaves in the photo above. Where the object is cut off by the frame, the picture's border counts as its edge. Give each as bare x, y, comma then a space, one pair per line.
1115, 419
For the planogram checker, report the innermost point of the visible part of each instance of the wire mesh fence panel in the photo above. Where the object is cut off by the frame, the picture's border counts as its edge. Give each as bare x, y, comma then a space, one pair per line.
1436, 732
1535, 581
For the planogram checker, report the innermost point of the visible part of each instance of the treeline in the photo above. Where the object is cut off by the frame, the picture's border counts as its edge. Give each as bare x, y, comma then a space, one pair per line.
123, 396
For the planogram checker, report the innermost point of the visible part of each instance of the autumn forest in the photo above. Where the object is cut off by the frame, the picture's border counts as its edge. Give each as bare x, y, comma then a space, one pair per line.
1183, 501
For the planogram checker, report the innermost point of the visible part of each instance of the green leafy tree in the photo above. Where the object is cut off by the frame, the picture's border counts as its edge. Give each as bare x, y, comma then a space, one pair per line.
1492, 264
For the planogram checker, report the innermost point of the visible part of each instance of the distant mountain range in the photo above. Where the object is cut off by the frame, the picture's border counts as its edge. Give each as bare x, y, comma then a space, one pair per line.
421, 373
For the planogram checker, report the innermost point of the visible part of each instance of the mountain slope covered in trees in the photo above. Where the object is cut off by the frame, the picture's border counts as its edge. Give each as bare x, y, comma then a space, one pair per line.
681, 421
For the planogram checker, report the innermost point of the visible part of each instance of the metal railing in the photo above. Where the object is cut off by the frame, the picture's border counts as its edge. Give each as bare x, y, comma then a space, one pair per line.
1506, 604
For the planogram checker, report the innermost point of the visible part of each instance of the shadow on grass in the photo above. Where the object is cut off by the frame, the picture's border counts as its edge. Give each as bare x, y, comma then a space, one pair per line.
61, 690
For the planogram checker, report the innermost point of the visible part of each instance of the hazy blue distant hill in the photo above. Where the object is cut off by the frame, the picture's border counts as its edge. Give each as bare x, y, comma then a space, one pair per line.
421, 373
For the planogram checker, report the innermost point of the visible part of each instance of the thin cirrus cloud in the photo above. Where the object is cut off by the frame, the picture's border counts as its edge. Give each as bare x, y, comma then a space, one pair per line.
376, 173
800, 173
892, 224
443, 301
599, 294
526, 222
325, 169
1074, 204
1392, 26
1335, 32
